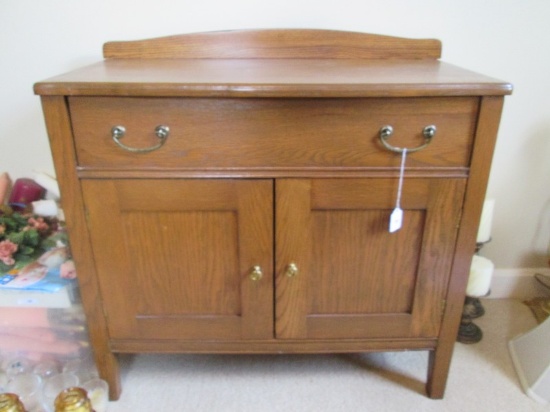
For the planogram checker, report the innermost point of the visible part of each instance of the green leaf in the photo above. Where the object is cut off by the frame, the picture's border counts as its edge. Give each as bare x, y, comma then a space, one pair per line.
28, 237
24, 250
16, 237
21, 220
24, 260
5, 268
31, 237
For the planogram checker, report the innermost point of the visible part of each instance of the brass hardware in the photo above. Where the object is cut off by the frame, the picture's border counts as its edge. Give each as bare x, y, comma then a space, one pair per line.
291, 270
256, 273
387, 131
118, 132
161, 132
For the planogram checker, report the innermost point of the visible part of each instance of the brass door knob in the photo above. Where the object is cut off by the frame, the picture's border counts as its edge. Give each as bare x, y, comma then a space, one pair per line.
291, 270
256, 273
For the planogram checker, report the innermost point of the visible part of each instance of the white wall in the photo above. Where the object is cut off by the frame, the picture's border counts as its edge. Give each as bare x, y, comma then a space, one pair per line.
506, 39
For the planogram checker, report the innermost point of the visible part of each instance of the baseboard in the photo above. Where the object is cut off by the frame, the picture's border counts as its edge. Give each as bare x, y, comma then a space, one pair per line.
517, 283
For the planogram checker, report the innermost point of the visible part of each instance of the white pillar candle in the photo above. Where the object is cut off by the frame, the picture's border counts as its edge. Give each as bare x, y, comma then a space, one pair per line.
48, 183
481, 273
45, 207
484, 232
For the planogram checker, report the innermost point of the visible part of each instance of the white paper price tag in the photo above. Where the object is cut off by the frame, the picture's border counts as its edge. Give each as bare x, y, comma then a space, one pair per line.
396, 219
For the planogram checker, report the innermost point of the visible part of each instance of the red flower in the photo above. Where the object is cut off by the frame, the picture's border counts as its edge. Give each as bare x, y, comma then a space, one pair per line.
7, 249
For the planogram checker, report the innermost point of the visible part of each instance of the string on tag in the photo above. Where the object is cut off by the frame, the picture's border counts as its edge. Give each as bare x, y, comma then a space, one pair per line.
396, 217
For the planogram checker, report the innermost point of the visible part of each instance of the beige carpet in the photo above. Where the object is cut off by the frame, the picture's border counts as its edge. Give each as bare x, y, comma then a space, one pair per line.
482, 378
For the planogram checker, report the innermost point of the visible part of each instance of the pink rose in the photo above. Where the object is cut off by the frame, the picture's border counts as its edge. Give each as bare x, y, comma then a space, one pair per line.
39, 224
7, 249
67, 269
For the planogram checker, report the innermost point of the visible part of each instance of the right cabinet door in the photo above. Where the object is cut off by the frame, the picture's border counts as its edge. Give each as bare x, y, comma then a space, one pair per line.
341, 274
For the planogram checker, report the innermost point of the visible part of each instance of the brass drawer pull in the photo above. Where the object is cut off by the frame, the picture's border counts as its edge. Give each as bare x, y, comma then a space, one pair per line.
387, 131
161, 132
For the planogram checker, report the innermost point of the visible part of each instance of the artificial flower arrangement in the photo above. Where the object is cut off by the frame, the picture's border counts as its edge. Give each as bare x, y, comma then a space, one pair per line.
24, 237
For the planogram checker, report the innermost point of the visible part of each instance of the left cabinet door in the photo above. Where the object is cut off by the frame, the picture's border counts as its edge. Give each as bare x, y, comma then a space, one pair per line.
183, 259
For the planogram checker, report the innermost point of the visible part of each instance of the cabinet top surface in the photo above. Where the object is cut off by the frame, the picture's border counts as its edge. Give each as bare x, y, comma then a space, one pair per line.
272, 78
273, 63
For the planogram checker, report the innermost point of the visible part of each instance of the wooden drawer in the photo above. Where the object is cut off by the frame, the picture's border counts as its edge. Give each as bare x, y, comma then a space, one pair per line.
271, 133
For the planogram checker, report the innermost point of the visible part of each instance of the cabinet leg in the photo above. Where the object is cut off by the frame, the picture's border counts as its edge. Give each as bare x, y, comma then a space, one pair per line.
438, 369
107, 365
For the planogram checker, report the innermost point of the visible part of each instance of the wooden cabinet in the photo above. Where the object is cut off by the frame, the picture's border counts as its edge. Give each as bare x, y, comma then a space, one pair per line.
231, 193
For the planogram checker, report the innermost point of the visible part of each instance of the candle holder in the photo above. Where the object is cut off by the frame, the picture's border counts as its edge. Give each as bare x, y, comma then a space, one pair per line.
468, 331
